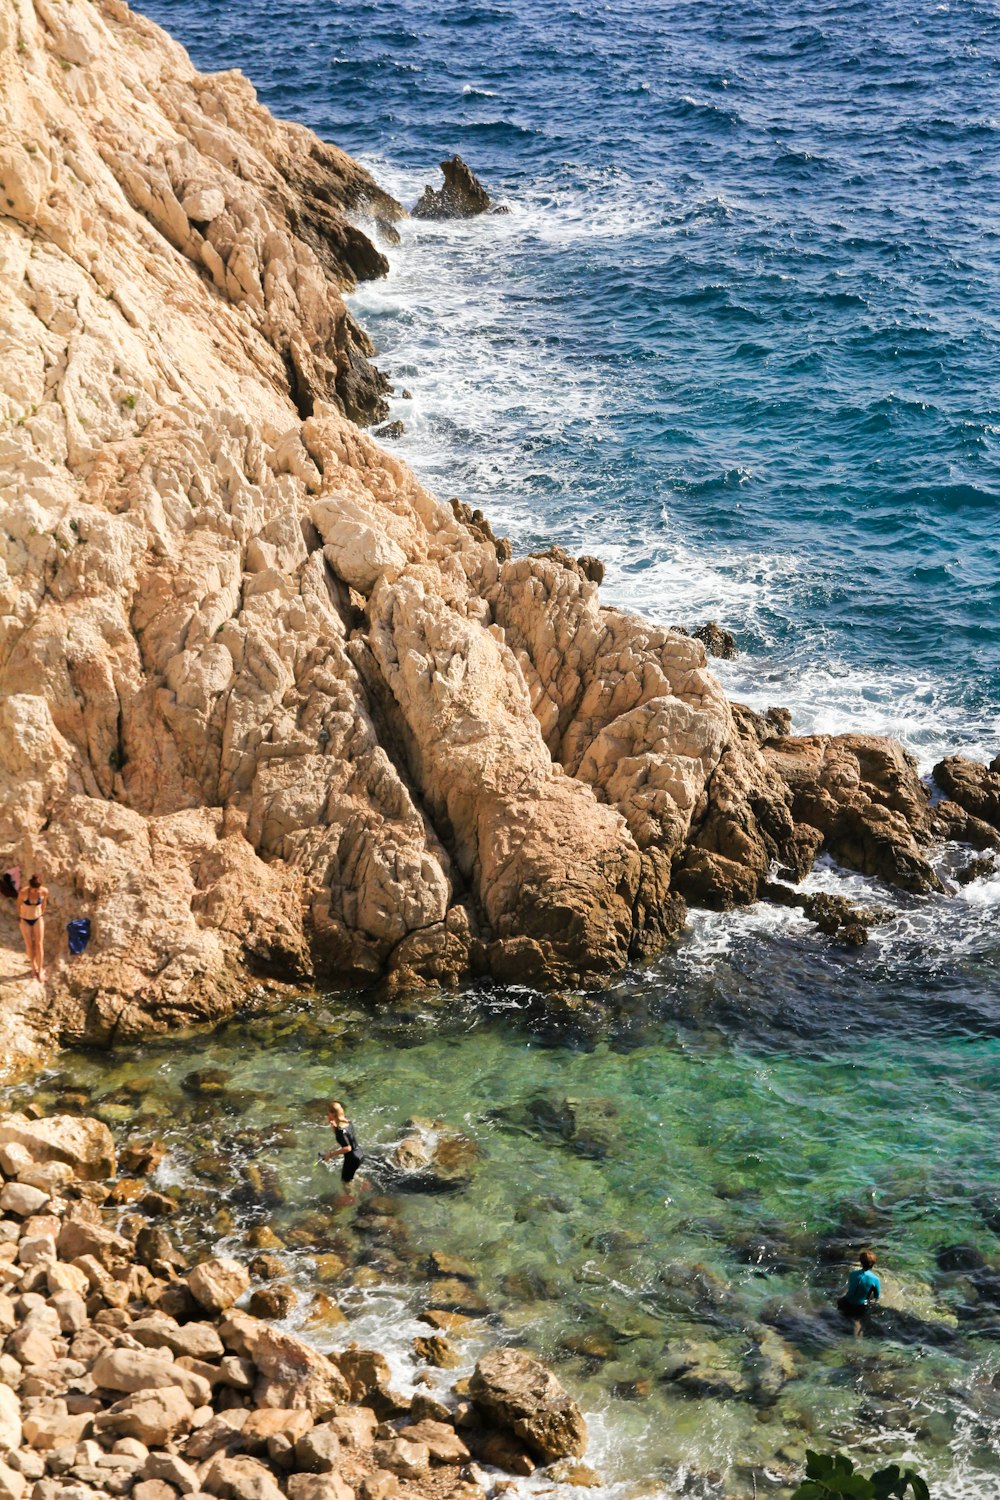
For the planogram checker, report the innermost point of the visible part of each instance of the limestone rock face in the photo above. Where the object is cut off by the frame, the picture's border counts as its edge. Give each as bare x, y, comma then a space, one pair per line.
267, 709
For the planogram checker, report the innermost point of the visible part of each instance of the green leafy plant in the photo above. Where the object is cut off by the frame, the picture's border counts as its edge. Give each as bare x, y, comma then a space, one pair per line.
829, 1475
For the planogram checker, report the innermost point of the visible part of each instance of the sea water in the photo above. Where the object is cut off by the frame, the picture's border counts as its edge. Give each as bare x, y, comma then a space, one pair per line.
737, 334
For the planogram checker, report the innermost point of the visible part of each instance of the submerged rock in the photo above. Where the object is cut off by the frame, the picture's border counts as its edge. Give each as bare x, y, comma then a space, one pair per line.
462, 197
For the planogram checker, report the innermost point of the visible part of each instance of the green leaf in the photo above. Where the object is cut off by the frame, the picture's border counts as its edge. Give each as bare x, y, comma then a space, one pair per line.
918, 1486
811, 1490
818, 1465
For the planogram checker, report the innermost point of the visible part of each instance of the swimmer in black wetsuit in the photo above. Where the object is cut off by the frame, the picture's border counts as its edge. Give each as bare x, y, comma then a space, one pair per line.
347, 1142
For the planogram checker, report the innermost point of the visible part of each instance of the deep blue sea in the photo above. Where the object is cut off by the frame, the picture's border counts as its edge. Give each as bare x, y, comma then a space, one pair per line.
738, 334
740, 331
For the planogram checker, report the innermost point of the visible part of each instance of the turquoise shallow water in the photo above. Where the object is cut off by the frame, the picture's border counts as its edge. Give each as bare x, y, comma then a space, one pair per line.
683, 1166
738, 335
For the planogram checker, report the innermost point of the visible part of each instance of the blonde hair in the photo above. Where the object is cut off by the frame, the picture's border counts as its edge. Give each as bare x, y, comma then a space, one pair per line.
336, 1108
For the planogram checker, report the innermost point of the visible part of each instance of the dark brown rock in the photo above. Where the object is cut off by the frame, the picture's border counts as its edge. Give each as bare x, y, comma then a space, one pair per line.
462, 197
975, 788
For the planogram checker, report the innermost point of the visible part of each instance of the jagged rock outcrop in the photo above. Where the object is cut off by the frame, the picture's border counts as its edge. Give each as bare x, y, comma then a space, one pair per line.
462, 196
267, 708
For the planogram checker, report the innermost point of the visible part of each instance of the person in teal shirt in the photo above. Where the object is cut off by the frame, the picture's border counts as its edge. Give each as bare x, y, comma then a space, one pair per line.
863, 1291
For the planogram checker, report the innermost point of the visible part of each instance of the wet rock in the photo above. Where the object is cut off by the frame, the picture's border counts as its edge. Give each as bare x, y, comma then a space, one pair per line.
275, 1301
518, 1394
461, 197
959, 1258
581, 1476
503, 1451
975, 788
717, 642
770, 1365
154, 1245
207, 1081
435, 1350
410, 1154
704, 1369
139, 1158
394, 429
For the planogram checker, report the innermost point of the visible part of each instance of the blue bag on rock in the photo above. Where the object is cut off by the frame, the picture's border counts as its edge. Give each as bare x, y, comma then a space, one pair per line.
78, 934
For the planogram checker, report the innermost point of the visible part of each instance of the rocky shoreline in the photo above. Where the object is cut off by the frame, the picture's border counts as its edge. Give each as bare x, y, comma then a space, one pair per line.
126, 1372
270, 712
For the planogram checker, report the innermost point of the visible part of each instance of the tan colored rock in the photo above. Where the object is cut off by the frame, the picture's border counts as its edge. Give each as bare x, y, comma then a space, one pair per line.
441, 1440
197, 1340
50, 1425
353, 1426
10, 1418
240, 1478
153, 1489
265, 705
319, 1487
137, 1370
517, 1393
12, 1483
217, 1284
408, 1460
269, 1422
170, 1468
318, 1451
154, 1417
84, 1144
18, 1198
290, 1373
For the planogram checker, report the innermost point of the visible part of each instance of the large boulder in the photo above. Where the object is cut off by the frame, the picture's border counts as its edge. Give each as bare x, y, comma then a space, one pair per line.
975, 788
84, 1144
462, 197
516, 1393
292, 1374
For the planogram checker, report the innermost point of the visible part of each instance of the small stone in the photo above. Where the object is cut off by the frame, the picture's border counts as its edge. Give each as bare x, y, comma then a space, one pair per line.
266, 1267
275, 1301
295, 1424
382, 1485
153, 1489
436, 1350
318, 1451
12, 1484
319, 1487
441, 1441
240, 1478
18, 1198
172, 1469
154, 1417
408, 1460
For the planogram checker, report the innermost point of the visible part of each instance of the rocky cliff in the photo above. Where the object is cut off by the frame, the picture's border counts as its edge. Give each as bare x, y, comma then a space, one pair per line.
268, 707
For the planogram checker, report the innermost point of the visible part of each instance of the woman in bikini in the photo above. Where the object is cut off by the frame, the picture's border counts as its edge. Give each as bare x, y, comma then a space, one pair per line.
32, 899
